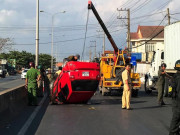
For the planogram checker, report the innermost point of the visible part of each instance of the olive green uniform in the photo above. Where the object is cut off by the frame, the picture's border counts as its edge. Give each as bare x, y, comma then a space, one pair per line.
160, 85
32, 76
175, 122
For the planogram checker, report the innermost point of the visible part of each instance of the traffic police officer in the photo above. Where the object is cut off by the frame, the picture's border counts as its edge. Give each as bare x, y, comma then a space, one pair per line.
33, 75
127, 87
175, 122
161, 82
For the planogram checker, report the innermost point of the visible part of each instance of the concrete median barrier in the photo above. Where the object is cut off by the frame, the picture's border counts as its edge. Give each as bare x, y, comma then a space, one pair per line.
12, 101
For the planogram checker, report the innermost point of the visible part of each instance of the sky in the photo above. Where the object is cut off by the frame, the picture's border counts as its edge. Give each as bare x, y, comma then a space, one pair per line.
18, 22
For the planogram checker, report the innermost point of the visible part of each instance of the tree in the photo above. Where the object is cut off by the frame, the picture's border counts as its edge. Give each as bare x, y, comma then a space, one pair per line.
23, 58
45, 60
6, 44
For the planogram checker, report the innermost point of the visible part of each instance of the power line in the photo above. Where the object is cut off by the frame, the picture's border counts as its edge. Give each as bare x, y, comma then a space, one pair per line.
152, 34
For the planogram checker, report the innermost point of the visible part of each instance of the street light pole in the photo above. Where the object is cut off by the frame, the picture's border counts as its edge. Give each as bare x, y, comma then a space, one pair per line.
37, 33
52, 38
94, 48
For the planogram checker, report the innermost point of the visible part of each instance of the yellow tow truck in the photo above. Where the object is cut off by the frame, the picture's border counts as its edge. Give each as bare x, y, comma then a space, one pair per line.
113, 64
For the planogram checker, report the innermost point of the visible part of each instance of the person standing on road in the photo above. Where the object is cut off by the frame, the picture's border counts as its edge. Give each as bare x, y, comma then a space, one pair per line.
127, 87
160, 83
33, 75
175, 122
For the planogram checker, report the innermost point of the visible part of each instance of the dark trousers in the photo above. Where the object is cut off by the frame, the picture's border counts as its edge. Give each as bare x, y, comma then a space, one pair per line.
160, 92
175, 122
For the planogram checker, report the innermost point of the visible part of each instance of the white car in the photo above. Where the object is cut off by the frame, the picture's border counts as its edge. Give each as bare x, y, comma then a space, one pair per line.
23, 74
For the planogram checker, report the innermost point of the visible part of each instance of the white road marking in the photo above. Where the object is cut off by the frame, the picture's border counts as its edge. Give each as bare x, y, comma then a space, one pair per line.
31, 118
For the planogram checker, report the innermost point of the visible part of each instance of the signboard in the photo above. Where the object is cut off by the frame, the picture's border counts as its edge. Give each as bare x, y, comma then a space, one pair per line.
133, 60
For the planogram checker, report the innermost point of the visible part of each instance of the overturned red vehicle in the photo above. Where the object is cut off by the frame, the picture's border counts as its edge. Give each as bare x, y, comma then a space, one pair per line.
77, 82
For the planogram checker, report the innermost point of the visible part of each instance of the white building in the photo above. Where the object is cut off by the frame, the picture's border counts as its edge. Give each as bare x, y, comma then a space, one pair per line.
144, 34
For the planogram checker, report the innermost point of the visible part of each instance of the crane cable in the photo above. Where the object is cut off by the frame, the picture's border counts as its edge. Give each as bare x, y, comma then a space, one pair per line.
82, 58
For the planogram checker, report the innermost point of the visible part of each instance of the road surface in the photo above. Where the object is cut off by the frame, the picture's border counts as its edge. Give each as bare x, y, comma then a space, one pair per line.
10, 82
101, 116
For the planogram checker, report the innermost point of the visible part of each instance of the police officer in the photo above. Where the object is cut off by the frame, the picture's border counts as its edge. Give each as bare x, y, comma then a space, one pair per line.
32, 77
161, 82
175, 122
127, 87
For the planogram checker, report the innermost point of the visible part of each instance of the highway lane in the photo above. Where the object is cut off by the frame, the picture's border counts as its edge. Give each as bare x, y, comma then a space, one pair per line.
10, 82
102, 115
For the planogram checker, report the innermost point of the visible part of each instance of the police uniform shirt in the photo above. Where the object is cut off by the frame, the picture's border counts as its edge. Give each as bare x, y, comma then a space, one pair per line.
126, 76
32, 75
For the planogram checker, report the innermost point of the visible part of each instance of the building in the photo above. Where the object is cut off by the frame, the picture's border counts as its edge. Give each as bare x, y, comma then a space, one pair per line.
144, 34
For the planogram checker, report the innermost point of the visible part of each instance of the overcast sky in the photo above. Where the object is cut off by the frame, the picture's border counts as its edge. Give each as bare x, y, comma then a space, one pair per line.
18, 19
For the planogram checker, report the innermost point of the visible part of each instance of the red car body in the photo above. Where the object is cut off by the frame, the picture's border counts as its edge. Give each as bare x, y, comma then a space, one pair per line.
77, 82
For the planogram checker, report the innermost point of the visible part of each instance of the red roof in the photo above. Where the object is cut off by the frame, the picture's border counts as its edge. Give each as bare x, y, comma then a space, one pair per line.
59, 64
147, 32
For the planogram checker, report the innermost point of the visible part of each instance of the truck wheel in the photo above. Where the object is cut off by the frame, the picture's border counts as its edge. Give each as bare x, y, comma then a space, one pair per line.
146, 87
135, 93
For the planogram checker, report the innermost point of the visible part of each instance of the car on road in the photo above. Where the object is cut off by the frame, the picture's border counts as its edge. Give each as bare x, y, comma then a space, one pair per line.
23, 74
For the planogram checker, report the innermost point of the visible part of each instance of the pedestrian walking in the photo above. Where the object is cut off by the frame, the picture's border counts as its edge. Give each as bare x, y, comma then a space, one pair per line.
32, 77
127, 87
175, 122
160, 83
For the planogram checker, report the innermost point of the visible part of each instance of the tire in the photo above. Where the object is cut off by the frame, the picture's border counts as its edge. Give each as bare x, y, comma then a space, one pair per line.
146, 87
135, 93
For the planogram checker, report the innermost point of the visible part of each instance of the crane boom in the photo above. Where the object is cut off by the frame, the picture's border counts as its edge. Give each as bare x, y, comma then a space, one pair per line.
91, 6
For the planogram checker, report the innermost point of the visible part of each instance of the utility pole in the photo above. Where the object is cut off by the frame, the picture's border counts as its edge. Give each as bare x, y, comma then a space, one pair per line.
128, 25
94, 48
168, 15
37, 33
104, 43
90, 53
52, 44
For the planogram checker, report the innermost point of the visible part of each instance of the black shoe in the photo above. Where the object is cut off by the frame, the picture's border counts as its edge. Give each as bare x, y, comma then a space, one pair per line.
163, 103
129, 109
124, 108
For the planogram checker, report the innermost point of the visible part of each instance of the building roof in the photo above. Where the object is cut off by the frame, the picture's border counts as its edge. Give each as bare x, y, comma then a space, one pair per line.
144, 32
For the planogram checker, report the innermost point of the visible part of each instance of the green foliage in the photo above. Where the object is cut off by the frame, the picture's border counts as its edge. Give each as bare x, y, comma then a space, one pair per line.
23, 58
45, 60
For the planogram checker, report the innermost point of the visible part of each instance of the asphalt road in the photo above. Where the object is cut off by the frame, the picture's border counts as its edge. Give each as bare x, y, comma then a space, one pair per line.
104, 116
101, 116
10, 82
